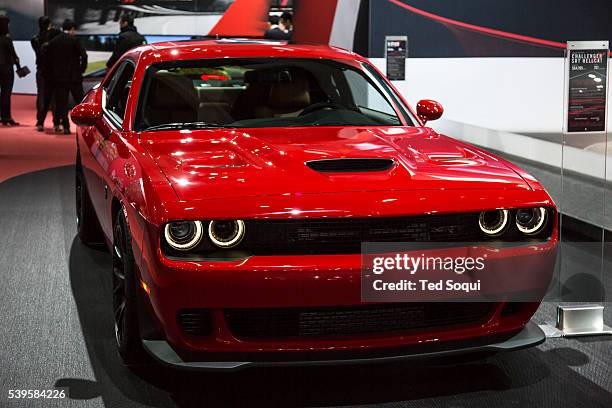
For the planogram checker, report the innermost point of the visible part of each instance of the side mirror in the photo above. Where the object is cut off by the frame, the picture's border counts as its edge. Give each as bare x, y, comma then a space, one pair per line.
429, 110
88, 112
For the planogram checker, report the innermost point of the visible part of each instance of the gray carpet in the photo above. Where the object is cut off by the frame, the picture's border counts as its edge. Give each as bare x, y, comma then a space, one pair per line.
56, 331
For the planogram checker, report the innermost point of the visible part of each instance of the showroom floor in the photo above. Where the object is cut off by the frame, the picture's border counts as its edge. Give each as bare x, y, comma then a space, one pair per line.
56, 322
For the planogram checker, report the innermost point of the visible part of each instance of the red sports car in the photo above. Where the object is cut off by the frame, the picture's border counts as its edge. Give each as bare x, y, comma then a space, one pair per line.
235, 181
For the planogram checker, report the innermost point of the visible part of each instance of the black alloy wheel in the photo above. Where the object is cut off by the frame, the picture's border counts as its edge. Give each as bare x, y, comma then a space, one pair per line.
127, 333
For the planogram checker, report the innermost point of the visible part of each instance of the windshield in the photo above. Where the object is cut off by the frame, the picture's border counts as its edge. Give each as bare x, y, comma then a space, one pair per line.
265, 92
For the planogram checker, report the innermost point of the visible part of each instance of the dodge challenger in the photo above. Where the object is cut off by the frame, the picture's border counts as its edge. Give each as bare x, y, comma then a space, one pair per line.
235, 182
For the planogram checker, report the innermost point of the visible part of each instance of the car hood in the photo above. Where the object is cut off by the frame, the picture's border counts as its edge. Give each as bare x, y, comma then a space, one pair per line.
230, 163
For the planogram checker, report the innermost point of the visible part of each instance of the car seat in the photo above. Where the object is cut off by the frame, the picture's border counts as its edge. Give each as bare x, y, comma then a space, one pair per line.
172, 99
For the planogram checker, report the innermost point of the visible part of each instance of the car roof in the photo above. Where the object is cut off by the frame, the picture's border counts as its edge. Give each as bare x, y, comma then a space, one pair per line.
238, 48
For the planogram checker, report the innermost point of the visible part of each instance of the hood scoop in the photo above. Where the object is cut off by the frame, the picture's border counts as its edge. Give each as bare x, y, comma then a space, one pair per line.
349, 165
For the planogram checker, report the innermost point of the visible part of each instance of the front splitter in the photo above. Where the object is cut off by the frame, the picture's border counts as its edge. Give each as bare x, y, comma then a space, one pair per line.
530, 335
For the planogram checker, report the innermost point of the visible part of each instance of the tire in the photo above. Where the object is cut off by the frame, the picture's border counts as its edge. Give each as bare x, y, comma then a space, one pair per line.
125, 312
88, 228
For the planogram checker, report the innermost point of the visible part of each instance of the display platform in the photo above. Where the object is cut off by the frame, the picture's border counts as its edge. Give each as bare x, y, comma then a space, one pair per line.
57, 326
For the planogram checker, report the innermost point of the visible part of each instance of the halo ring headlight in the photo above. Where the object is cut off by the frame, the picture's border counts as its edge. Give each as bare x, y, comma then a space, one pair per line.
183, 235
530, 221
226, 233
493, 223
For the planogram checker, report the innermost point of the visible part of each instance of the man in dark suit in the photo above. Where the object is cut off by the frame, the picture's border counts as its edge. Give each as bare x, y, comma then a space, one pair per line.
46, 33
8, 60
128, 38
66, 61
283, 30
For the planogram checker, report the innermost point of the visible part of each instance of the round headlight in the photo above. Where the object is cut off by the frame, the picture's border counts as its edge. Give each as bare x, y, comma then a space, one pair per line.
226, 233
183, 235
530, 221
493, 223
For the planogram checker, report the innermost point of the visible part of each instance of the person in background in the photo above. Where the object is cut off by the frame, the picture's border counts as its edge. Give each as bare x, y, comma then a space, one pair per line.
66, 62
274, 32
128, 38
8, 59
286, 24
273, 22
280, 29
46, 32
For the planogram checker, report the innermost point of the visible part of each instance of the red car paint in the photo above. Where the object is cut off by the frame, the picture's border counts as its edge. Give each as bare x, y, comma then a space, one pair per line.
260, 174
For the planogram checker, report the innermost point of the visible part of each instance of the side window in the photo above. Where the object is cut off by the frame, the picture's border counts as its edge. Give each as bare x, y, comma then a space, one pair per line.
410, 120
119, 89
365, 95
108, 82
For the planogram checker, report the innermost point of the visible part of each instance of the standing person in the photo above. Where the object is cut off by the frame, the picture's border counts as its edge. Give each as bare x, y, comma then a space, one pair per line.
67, 61
273, 22
8, 59
286, 24
282, 30
273, 32
46, 32
128, 38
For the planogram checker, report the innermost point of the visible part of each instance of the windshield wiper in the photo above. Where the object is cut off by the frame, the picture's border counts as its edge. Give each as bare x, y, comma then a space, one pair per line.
186, 125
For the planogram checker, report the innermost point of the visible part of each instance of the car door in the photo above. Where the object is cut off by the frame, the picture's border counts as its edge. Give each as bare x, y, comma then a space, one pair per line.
106, 144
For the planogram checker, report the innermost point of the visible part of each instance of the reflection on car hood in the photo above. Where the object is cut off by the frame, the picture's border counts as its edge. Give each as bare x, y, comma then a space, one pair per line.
226, 163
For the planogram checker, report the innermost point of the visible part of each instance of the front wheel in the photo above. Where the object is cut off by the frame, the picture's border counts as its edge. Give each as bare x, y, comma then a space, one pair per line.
127, 333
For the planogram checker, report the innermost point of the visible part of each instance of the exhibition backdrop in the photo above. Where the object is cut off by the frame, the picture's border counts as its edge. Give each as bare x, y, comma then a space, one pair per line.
161, 17
23, 15
485, 28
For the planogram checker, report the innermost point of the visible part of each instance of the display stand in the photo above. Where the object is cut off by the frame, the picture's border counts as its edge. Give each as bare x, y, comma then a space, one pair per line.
585, 112
578, 320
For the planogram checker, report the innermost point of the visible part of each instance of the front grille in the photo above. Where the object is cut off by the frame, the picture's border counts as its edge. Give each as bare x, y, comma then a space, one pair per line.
345, 235
195, 322
351, 320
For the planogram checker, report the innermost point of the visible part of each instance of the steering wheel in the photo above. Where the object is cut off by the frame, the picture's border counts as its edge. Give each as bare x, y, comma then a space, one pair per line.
319, 106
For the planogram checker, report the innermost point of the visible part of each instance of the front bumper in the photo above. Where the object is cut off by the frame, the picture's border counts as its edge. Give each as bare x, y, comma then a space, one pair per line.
530, 335
277, 283
302, 282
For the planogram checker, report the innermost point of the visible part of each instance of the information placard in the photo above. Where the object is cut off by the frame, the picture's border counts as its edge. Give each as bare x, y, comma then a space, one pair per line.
587, 87
396, 52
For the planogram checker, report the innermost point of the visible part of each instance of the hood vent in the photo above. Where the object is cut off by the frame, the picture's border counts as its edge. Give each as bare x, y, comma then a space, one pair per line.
350, 165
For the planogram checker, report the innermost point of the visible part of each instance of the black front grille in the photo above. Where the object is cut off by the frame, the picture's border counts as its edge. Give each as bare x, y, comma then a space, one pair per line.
350, 165
195, 322
345, 235
351, 320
